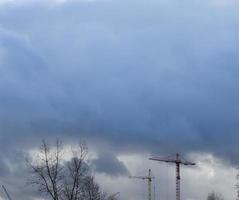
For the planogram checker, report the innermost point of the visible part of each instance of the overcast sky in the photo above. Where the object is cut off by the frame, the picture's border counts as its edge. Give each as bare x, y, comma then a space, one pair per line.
132, 78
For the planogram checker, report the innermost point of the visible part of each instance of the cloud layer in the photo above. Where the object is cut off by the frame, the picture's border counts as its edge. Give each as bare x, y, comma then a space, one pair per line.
135, 76
158, 72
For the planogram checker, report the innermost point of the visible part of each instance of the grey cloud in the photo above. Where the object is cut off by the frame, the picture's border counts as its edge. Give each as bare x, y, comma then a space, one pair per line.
14, 175
160, 76
109, 164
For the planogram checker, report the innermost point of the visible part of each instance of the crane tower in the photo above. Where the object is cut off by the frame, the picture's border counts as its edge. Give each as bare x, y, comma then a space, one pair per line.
6, 192
149, 178
178, 161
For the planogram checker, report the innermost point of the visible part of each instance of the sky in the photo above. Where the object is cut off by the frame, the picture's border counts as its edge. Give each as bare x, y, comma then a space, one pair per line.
131, 78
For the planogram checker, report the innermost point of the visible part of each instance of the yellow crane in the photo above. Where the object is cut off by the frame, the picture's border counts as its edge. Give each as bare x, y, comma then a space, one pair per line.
149, 178
178, 161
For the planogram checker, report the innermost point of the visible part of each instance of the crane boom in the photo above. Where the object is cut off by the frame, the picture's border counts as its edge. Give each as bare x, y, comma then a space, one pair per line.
112, 197
6, 192
140, 177
178, 161
162, 159
150, 179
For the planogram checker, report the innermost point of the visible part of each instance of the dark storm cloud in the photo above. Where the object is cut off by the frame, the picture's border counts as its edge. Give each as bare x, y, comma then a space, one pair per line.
109, 164
14, 175
157, 75
160, 76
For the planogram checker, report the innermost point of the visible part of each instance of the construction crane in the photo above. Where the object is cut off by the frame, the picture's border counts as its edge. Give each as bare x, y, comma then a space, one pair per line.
113, 196
178, 161
149, 178
6, 192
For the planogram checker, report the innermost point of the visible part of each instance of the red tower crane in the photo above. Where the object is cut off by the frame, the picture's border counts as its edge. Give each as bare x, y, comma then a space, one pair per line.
178, 161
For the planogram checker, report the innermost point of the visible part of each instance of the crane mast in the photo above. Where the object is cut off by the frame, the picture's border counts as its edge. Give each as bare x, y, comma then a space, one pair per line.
149, 178
6, 192
178, 161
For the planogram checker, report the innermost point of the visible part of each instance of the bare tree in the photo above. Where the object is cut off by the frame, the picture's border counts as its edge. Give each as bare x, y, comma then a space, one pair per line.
46, 170
76, 172
60, 179
92, 190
